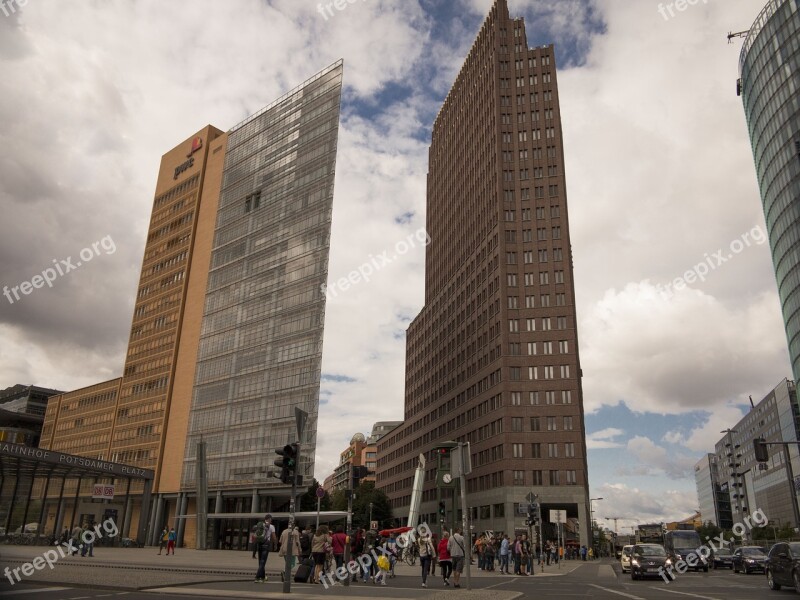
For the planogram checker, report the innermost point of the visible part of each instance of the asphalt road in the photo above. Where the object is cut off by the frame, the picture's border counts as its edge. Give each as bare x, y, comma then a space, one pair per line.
601, 580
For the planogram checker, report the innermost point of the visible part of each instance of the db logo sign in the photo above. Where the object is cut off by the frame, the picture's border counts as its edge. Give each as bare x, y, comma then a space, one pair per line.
103, 491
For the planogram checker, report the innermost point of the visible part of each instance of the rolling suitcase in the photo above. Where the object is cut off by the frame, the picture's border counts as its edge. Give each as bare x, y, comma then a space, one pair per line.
303, 573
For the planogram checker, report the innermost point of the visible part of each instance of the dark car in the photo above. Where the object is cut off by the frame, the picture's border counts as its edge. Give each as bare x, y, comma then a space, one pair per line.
749, 559
648, 560
783, 566
723, 558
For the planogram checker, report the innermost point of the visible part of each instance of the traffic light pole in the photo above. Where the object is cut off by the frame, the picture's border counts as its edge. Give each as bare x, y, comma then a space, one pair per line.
287, 567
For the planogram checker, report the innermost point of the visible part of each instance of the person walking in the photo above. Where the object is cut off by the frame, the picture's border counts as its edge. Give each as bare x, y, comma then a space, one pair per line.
320, 546
504, 549
252, 541
445, 562
171, 539
338, 542
455, 546
162, 541
265, 537
284, 542
426, 552
76, 539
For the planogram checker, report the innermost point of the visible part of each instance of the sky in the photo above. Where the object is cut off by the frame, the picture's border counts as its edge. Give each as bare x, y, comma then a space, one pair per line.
660, 181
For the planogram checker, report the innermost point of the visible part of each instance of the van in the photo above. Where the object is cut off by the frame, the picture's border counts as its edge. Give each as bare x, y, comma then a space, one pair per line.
684, 545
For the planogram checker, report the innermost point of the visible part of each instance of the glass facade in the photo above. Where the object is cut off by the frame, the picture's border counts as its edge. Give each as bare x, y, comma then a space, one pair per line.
261, 343
770, 88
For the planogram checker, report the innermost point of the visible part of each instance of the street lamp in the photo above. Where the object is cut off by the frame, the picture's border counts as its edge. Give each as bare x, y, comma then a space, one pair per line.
591, 520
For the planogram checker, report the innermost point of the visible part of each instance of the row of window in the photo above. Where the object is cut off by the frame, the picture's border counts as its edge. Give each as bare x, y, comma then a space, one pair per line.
544, 302
530, 324
553, 477
530, 279
535, 373
517, 450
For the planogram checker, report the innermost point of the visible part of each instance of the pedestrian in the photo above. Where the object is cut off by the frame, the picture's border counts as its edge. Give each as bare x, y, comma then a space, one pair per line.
445, 562
426, 553
76, 539
383, 569
65, 535
504, 550
489, 555
87, 541
457, 553
320, 546
305, 542
583, 553
338, 542
252, 540
162, 539
171, 539
265, 538
284, 543
435, 557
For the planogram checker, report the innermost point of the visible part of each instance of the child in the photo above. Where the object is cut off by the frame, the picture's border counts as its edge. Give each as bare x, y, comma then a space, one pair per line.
383, 569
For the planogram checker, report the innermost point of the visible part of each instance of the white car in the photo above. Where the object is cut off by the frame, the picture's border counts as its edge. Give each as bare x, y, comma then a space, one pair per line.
625, 559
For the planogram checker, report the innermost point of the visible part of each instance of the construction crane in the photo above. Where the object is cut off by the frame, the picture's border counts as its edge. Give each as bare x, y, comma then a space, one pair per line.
740, 34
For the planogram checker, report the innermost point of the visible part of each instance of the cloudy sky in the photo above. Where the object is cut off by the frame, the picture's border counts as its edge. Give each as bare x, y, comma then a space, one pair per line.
659, 175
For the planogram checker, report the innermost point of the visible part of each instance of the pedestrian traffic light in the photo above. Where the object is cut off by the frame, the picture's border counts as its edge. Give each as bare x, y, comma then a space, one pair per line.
442, 509
761, 450
287, 462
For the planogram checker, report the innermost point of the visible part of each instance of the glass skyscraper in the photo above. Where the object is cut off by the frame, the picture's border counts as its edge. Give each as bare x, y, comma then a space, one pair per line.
261, 340
770, 88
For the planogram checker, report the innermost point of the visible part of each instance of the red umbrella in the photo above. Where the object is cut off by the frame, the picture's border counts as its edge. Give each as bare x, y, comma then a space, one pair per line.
398, 530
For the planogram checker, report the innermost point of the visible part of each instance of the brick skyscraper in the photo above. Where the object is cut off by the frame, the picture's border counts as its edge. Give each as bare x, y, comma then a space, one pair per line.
492, 358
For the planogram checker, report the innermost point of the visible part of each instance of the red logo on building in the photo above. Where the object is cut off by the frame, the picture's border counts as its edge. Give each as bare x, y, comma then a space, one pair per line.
197, 143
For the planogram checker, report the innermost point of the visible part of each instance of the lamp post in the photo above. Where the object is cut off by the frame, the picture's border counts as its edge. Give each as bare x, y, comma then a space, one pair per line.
591, 520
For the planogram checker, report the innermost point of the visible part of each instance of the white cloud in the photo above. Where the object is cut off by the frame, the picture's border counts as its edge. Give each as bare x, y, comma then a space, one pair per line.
644, 457
637, 505
604, 439
703, 438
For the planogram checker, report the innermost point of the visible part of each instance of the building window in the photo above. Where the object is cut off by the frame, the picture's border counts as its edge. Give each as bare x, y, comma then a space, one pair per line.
499, 510
548, 372
533, 373
551, 424
564, 371
535, 426
511, 279
567, 423
513, 325
544, 278
554, 479
536, 450
519, 477
512, 302
562, 322
534, 398
552, 450
547, 347
550, 397
537, 478
531, 348
531, 323
516, 450
514, 348
530, 301
516, 398
572, 478
566, 397
514, 373
569, 450
516, 424
546, 324
559, 276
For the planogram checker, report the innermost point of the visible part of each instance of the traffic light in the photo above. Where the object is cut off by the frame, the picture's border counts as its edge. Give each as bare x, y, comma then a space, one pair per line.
442, 509
287, 462
761, 450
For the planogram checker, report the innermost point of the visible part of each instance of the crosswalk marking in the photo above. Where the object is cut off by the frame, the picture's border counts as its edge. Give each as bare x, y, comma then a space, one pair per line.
33, 590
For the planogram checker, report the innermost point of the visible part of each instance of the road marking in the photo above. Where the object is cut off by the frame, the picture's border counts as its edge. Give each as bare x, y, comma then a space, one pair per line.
686, 594
52, 589
499, 584
631, 596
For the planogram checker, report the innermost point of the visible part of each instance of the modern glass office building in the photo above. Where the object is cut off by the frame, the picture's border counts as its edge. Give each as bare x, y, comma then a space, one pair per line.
770, 88
261, 342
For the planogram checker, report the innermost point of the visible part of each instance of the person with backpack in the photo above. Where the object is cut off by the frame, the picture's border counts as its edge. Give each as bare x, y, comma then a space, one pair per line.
265, 537
171, 539
163, 539
426, 552
455, 547
320, 546
305, 543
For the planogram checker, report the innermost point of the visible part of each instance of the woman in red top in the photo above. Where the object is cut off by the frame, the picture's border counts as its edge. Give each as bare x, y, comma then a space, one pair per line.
445, 565
337, 544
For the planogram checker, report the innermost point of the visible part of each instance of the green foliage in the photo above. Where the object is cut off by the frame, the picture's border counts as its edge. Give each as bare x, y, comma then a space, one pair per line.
308, 501
709, 530
366, 493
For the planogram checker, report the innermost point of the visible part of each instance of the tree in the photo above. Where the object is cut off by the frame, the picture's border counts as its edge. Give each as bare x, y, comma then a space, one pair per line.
308, 501
365, 494
708, 530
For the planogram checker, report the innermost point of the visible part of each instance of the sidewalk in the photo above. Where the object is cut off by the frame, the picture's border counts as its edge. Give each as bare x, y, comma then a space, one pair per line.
226, 573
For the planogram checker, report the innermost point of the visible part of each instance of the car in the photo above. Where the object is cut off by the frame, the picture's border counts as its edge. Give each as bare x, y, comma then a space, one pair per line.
749, 559
648, 560
723, 558
783, 566
625, 558
683, 545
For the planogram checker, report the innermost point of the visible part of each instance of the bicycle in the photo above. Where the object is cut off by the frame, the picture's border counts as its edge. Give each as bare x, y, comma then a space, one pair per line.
410, 554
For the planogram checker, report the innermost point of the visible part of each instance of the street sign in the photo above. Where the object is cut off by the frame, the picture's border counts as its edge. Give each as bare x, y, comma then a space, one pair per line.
373, 525
531, 497
320, 493
558, 516
522, 509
